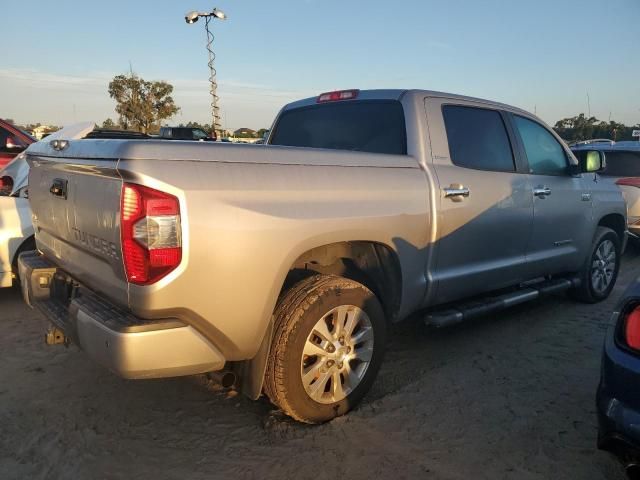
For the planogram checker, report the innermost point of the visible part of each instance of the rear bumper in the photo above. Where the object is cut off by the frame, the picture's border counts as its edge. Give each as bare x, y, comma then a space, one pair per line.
618, 400
129, 346
617, 424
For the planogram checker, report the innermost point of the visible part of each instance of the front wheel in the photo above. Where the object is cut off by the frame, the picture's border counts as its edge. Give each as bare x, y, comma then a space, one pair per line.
600, 271
330, 334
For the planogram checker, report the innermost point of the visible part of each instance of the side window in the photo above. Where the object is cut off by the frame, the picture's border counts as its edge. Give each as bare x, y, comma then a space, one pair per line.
9, 143
199, 134
478, 139
544, 153
4, 136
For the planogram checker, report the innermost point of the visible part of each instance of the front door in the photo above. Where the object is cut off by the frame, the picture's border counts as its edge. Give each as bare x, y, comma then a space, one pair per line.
485, 205
562, 224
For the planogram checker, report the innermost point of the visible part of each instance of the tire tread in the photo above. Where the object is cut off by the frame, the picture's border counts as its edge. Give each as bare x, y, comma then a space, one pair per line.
291, 308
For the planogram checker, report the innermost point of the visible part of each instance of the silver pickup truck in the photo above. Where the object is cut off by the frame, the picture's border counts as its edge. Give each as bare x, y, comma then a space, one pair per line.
280, 266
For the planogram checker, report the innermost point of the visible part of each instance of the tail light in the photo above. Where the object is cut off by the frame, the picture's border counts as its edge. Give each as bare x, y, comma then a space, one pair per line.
632, 328
629, 182
6, 183
151, 233
337, 96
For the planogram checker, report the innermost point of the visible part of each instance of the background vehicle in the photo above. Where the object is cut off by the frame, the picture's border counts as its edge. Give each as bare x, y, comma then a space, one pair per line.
16, 230
592, 141
618, 398
12, 142
281, 265
623, 169
186, 133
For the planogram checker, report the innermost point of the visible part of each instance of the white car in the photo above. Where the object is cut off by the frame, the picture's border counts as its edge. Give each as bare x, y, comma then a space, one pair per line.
16, 230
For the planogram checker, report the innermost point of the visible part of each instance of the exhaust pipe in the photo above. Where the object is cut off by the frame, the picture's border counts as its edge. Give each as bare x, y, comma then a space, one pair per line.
225, 378
55, 336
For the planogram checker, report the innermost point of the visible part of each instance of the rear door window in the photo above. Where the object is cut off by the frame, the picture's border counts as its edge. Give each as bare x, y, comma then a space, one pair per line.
478, 138
374, 126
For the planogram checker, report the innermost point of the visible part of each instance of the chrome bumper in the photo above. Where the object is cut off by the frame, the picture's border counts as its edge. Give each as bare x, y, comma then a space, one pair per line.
129, 346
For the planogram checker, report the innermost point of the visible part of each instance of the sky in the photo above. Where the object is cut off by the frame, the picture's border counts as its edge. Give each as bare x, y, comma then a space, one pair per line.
545, 56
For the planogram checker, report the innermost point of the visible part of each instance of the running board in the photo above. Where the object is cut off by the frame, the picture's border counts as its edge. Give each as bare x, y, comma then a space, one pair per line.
475, 308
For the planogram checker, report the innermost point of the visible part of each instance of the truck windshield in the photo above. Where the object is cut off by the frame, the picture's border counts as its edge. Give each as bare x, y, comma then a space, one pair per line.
374, 126
622, 164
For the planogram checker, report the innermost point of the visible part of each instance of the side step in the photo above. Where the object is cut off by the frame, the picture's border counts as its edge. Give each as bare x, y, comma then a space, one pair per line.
478, 307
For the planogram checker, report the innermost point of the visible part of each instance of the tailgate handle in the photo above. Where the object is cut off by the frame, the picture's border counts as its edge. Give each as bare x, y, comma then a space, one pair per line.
59, 188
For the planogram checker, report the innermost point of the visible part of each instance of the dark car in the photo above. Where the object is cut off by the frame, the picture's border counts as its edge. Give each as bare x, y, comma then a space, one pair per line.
618, 398
12, 142
186, 133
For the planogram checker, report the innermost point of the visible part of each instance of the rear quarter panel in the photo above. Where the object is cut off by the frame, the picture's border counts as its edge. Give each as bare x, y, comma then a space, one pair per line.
245, 223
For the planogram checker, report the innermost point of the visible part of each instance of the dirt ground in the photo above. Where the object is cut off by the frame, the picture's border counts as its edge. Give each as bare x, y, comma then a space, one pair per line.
510, 396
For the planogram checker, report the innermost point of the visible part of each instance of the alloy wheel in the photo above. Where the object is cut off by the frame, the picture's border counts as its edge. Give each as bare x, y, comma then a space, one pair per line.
337, 353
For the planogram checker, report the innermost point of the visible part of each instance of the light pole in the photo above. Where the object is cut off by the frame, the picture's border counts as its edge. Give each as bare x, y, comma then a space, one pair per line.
190, 18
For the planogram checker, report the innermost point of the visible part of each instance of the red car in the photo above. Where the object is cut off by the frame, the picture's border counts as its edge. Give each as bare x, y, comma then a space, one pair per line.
12, 142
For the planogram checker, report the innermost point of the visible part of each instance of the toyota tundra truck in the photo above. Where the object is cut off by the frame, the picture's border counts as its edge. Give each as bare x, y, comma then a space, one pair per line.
279, 268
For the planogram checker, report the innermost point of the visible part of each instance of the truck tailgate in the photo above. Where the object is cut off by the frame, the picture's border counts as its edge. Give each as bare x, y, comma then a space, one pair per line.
76, 214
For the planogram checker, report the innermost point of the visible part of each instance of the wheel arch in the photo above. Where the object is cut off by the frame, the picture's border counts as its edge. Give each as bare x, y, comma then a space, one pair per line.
374, 264
29, 243
615, 222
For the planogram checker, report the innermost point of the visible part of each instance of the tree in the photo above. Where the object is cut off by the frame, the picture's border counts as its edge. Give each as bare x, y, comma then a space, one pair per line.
582, 128
142, 104
576, 128
260, 133
110, 124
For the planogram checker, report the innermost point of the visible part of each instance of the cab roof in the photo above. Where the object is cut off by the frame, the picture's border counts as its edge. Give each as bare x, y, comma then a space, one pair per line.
399, 94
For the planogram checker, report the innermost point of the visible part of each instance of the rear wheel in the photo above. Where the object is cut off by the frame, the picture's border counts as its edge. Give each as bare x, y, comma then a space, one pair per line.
327, 348
600, 271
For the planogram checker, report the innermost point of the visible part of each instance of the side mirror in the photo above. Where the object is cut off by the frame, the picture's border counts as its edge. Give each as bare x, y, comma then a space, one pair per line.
591, 161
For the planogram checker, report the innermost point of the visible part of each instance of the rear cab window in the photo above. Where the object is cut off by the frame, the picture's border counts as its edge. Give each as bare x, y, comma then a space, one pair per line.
373, 126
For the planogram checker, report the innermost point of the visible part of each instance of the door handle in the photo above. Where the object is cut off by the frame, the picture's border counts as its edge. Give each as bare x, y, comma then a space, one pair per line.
59, 188
456, 192
542, 192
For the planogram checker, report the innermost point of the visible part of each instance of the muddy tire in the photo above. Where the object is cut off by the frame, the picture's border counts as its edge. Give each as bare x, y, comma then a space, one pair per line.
600, 271
328, 344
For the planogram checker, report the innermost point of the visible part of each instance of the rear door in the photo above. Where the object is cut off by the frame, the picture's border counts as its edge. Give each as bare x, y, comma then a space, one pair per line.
485, 210
562, 223
76, 212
